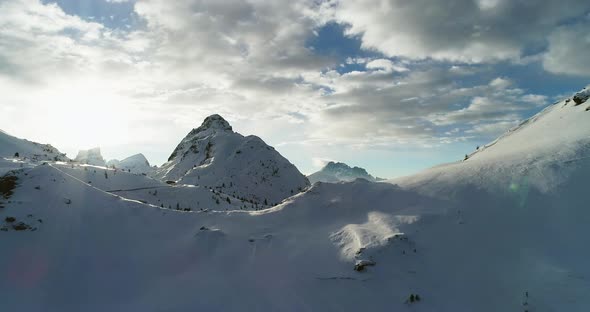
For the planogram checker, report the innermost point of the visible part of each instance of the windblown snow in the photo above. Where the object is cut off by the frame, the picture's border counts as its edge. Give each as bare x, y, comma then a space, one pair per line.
504, 230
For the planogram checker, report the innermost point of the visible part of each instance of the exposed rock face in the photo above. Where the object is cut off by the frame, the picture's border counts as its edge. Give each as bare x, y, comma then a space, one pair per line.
581, 96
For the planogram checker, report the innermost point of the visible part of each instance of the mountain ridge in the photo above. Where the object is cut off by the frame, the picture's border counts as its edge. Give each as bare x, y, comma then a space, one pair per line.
334, 172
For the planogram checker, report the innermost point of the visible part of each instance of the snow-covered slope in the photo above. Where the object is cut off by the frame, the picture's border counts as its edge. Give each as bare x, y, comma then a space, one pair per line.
91, 157
505, 230
83, 249
148, 190
12, 147
136, 164
212, 155
539, 150
335, 172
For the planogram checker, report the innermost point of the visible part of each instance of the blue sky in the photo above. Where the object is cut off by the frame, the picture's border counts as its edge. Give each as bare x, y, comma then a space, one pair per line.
385, 84
115, 15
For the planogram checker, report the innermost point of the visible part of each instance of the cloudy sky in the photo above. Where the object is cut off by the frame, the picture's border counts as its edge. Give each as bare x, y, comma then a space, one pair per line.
390, 85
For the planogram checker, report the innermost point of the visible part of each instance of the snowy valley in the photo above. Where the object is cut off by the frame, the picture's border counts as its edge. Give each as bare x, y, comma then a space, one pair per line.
229, 224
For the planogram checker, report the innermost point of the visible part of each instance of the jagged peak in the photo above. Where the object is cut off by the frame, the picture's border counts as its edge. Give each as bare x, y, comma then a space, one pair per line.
215, 122
342, 166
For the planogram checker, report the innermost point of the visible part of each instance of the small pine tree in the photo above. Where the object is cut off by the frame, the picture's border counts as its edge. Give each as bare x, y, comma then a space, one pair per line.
265, 202
16, 155
228, 201
177, 206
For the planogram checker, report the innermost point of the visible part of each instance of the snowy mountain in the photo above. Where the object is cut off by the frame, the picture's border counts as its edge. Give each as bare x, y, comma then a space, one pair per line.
148, 190
214, 156
13, 147
135, 164
582, 96
559, 133
334, 172
504, 230
91, 157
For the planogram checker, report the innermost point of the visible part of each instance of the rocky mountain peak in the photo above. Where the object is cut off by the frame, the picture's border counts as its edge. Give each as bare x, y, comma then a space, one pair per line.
213, 122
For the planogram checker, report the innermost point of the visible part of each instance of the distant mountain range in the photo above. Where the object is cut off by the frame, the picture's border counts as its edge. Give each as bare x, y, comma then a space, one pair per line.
334, 172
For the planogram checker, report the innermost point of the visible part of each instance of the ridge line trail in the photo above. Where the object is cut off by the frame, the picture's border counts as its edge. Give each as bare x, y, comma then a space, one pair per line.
137, 189
105, 192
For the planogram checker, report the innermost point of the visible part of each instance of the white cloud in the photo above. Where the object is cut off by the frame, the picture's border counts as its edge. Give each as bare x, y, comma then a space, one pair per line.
385, 66
249, 61
500, 83
377, 110
492, 129
241, 59
569, 47
463, 30
320, 162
